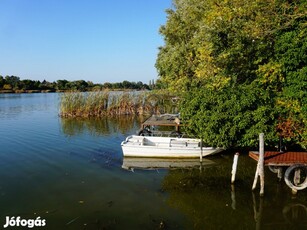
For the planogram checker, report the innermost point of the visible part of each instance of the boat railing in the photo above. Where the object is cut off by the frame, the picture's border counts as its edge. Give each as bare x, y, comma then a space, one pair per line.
158, 133
162, 133
182, 143
143, 141
177, 143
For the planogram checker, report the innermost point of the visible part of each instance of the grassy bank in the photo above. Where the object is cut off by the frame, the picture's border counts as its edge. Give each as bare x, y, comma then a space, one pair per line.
110, 103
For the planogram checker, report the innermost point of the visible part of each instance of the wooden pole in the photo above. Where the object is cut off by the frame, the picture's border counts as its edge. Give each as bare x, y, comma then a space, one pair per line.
261, 163
234, 167
256, 178
260, 166
201, 151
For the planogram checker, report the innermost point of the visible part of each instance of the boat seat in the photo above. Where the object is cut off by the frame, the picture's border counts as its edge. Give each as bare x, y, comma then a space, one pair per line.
178, 143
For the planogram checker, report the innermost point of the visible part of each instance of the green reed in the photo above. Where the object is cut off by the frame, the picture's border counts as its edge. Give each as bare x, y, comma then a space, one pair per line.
108, 103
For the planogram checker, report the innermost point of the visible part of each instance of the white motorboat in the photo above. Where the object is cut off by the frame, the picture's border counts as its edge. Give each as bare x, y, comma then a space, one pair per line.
165, 147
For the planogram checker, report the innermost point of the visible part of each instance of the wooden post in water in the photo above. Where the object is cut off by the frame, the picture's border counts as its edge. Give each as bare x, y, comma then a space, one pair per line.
234, 167
260, 166
201, 151
256, 178
261, 163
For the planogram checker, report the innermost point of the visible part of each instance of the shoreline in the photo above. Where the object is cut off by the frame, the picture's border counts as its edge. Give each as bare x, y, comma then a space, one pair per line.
29, 91
61, 91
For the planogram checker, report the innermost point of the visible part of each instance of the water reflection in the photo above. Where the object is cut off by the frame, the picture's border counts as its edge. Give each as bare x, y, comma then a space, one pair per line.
15, 105
100, 126
292, 215
132, 163
295, 214
208, 200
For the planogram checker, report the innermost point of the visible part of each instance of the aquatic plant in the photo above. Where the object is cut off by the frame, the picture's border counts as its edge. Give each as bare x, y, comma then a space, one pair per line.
114, 103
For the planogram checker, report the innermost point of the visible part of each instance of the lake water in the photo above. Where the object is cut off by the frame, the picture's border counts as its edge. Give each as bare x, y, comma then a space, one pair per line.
69, 172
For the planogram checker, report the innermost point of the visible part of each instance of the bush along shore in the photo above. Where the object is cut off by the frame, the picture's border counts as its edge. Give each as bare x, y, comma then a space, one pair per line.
13, 84
113, 103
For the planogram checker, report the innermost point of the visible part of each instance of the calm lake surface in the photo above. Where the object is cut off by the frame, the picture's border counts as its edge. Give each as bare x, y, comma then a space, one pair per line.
69, 172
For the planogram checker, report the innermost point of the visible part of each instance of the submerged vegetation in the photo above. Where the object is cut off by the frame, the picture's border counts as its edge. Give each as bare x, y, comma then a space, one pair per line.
113, 103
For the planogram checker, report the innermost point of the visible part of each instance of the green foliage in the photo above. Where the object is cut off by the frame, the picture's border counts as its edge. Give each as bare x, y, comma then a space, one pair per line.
62, 85
240, 67
229, 117
12, 81
291, 52
176, 60
1, 81
27, 85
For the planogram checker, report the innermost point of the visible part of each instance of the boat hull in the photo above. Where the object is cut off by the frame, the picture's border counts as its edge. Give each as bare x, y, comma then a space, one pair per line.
165, 147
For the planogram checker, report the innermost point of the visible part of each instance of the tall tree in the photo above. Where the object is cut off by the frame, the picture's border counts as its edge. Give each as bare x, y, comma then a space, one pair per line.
243, 59
2, 81
13, 81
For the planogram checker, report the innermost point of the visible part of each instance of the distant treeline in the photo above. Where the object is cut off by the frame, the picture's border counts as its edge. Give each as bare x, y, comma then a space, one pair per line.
11, 84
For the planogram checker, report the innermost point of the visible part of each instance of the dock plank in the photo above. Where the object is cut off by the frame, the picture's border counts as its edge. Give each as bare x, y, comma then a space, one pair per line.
275, 158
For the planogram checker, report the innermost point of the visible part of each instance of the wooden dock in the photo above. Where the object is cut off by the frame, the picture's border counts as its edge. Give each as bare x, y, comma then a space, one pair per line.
274, 158
163, 120
290, 165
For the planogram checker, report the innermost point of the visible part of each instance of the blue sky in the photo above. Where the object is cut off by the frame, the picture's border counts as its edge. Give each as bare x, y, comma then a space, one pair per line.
94, 40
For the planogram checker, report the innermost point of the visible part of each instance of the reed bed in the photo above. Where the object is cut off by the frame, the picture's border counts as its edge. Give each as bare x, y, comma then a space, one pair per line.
110, 103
